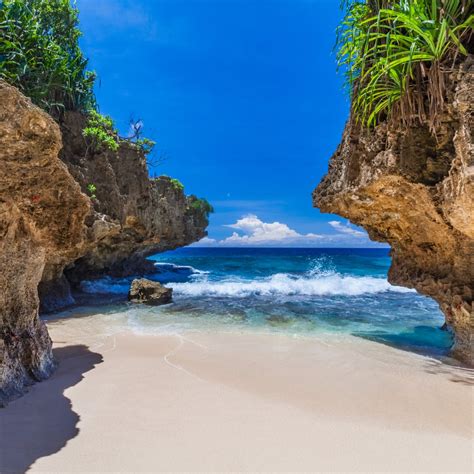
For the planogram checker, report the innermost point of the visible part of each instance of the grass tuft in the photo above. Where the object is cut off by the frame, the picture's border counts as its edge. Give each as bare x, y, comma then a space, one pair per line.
397, 54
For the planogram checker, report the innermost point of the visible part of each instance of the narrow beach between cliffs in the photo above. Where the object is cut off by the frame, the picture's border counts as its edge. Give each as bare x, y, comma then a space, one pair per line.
236, 401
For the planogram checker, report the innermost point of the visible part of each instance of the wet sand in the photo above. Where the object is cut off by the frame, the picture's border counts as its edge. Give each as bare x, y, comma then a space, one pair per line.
237, 402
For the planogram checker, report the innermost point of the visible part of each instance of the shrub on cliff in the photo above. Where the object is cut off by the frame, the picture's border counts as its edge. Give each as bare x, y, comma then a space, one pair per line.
100, 132
177, 184
40, 54
397, 55
200, 205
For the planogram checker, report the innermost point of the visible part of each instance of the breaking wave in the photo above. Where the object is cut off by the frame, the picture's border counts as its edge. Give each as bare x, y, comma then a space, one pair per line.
189, 281
288, 285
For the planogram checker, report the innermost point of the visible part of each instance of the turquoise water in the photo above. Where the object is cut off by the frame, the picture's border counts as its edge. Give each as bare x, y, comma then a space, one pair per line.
295, 291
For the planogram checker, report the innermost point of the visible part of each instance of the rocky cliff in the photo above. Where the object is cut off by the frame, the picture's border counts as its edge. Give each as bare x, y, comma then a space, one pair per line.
415, 190
49, 224
131, 216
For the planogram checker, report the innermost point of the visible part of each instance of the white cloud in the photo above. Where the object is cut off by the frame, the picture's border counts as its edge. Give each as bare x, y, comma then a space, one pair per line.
251, 231
206, 242
256, 230
347, 229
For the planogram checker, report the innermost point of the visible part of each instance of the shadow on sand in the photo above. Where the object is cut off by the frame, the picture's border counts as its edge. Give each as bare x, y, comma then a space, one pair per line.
43, 421
428, 342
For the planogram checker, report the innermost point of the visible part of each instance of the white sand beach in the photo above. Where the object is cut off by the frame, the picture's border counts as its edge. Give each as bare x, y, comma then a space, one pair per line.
241, 402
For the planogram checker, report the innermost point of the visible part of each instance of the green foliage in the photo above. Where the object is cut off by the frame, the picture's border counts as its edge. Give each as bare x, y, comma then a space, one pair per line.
40, 54
92, 188
101, 132
200, 205
397, 54
145, 145
177, 184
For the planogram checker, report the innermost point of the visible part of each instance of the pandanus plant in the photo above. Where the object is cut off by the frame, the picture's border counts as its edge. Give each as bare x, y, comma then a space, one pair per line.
397, 55
40, 54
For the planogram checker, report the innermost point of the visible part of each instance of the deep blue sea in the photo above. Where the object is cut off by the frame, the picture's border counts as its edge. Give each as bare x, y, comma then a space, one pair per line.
295, 291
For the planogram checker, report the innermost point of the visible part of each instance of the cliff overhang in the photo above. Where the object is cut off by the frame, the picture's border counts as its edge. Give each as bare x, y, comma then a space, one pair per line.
415, 190
54, 233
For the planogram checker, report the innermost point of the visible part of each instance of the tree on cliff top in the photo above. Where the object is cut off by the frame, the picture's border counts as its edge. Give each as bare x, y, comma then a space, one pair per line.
397, 55
40, 54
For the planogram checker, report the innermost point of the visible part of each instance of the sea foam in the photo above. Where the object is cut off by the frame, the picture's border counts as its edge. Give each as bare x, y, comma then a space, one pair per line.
287, 285
189, 281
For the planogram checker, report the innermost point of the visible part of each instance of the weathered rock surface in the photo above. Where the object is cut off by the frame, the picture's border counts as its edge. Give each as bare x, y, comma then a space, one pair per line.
49, 224
131, 217
149, 292
416, 192
42, 214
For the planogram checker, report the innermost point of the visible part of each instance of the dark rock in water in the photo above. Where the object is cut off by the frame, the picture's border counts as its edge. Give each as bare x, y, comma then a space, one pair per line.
149, 292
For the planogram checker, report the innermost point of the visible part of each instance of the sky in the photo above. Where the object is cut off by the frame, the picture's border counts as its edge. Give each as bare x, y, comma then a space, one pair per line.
243, 100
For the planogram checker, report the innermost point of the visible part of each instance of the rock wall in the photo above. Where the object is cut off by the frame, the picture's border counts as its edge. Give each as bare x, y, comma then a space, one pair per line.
42, 214
48, 224
132, 216
416, 192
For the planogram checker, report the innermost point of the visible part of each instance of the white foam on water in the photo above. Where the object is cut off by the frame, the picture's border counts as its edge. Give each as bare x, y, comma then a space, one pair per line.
317, 282
172, 268
287, 285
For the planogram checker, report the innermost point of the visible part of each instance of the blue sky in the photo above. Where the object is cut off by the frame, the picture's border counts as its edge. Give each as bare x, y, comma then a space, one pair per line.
243, 100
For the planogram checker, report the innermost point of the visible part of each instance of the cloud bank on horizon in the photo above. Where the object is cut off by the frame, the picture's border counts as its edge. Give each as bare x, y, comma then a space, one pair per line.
251, 231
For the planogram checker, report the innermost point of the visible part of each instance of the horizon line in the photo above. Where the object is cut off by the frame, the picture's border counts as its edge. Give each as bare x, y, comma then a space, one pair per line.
276, 247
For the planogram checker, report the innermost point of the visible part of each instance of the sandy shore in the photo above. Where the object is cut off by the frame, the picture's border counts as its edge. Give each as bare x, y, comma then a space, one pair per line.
237, 402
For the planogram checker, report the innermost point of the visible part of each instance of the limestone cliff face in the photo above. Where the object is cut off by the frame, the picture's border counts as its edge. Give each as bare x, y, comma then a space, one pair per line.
49, 224
131, 216
416, 192
42, 214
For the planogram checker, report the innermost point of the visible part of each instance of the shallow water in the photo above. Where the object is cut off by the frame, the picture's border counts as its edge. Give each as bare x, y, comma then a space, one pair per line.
293, 291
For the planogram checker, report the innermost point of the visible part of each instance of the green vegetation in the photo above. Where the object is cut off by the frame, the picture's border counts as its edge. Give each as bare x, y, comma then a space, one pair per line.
145, 145
177, 184
101, 132
40, 54
201, 205
397, 55
92, 188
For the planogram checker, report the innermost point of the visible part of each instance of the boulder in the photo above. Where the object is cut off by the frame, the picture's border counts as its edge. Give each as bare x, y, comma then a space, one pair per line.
149, 292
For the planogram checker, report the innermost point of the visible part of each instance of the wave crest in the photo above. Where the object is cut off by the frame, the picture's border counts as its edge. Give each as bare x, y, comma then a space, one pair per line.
287, 285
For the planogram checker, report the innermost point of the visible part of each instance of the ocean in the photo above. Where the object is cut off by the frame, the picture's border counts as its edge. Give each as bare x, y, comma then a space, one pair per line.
299, 292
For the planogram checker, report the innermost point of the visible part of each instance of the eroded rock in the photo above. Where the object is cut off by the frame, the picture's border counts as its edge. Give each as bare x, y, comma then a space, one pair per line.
48, 224
149, 292
416, 192
42, 215
133, 216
